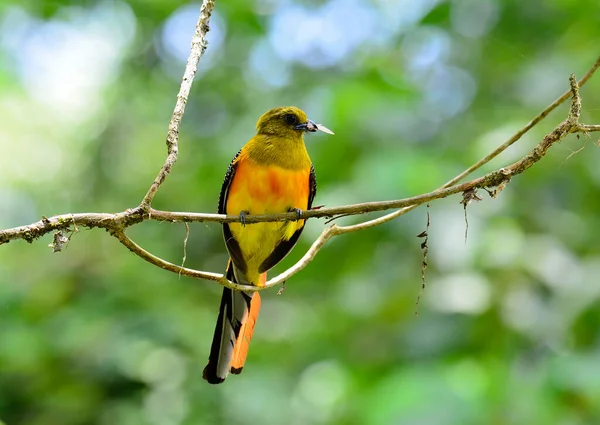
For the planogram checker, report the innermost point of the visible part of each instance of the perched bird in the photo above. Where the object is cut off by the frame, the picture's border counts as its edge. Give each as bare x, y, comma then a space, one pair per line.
272, 173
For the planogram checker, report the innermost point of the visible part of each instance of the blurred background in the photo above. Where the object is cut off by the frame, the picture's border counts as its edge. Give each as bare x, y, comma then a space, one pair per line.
508, 327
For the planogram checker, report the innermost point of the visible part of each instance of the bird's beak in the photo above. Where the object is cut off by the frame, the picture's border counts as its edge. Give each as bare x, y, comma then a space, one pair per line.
312, 127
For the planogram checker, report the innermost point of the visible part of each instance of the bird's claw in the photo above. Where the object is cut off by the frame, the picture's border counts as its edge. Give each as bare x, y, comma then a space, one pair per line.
298, 212
243, 215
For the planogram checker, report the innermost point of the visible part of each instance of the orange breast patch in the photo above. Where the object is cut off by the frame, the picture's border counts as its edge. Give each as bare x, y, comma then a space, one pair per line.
261, 189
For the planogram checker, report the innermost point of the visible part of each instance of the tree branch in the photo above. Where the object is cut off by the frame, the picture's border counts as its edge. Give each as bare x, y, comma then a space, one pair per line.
197, 50
497, 178
490, 180
116, 223
525, 129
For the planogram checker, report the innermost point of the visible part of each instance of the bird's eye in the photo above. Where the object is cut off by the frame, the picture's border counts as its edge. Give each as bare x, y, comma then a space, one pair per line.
290, 119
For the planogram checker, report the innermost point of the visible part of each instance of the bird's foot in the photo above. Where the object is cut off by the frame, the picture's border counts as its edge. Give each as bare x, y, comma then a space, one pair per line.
243, 215
298, 212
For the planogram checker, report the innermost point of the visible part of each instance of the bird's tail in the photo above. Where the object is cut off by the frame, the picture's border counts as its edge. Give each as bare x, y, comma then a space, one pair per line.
233, 332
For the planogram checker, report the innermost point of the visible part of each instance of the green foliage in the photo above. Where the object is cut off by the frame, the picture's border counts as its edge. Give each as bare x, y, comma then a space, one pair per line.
508, 326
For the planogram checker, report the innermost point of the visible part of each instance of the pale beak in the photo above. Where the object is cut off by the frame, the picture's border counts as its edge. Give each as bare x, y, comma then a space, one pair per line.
312, 127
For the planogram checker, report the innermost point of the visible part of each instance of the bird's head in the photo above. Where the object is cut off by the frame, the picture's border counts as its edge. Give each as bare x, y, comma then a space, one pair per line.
287, 121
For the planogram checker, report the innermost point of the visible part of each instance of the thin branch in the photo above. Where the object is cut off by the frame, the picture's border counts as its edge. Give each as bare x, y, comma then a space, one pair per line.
572, 154
517, 136
525, 129
185, 241
130, 217
106, 221
116, 223
197, 50
119, 221
493, 179
586, 128
157, 261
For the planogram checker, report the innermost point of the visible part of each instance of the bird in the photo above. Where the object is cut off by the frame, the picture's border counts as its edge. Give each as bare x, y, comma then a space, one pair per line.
272, 173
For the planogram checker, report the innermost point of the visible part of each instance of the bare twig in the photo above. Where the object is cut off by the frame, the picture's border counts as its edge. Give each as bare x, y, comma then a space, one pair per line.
575, 152
197, 50
517, 136
185, 241
586, 128
525, 129
133, 216
106, 221
492, 179
157, 261
119, 221
116, 223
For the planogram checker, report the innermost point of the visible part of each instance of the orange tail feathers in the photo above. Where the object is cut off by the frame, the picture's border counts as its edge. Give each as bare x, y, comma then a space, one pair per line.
242, 344
233, 332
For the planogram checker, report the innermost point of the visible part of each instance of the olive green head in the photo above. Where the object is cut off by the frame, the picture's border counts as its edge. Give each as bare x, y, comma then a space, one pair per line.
287, 121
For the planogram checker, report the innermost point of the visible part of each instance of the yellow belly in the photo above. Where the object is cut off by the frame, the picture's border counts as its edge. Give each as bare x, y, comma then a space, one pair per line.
265, 190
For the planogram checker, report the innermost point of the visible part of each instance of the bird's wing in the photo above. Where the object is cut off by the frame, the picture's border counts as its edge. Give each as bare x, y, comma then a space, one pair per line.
227, 183
312, 183
232, 245
285, 246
